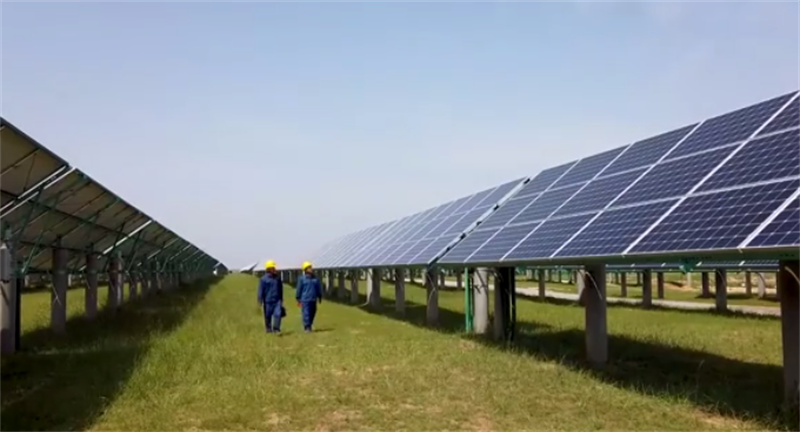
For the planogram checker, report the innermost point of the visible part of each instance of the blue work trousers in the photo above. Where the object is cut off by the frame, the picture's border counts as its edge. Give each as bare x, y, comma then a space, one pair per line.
272, 316
309, 312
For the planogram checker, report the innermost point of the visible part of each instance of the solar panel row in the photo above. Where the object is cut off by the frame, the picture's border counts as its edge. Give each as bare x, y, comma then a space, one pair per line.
708, 186
45, 203
414, 240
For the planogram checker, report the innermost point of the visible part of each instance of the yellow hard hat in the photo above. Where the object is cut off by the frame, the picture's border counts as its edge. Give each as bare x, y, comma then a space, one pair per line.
306, 265
270, 264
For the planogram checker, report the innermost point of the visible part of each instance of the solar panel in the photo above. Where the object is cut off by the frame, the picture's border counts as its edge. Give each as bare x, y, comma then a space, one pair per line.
614, 230
547, 203
683, 190
506, 212
788, 118
784, 230
647, 151
588, 167
732, 127
547, 238
597, 194
772, 157
468, 246
673, 178
543, 180
416, 239
717, 220
501, 243
497, 194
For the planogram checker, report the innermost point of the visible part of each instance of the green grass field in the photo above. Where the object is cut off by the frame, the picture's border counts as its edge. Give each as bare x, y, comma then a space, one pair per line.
198, 359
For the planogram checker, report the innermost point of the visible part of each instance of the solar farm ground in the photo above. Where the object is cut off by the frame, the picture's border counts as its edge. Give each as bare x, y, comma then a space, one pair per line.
197, 359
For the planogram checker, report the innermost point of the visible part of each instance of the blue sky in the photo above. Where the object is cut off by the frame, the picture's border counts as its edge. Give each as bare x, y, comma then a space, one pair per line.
262, 130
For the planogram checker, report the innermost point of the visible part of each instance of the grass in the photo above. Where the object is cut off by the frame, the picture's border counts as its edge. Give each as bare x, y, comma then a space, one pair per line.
198, 359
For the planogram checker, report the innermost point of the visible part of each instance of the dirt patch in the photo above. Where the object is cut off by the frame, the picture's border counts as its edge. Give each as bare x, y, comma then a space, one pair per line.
479, 423
337, 420
275, 420
467, 345
718, 421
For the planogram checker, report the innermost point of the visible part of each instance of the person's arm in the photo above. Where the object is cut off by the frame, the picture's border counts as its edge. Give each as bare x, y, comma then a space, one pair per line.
261, 290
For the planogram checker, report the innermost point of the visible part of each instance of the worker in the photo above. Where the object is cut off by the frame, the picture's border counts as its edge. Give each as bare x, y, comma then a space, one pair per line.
308, 293
270, 298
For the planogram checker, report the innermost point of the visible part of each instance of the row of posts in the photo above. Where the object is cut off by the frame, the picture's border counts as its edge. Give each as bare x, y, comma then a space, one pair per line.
591, 282
147, 277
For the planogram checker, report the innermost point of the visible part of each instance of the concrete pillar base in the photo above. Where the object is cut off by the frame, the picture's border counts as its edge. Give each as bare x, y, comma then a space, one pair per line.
788, 284
354, 286
543, 286
58, 296
399, 291
8, 300
595, 298
90, 298
647, 288
374, 287
721, 290
504, 291
341, 287
480, 295
432, 295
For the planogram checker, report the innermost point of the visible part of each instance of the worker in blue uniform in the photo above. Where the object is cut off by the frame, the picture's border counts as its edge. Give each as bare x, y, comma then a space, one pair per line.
270, 298
308, 293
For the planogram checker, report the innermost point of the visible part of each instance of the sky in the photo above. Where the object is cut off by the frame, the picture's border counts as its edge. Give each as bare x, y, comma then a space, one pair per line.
261, 130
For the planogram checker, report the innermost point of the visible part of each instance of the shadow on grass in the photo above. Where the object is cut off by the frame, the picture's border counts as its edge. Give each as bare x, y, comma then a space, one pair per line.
711, 382
65, 382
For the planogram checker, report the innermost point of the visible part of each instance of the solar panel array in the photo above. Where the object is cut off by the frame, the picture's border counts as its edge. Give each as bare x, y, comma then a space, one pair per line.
413, 240
726, 183
45, 201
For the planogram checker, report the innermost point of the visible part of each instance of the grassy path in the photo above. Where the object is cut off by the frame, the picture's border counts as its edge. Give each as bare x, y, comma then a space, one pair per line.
198, 359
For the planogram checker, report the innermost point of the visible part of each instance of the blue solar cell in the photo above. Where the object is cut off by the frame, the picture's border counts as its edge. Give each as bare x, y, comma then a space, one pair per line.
473, 200
647, 151
789, 117
598, 193
732, 127
772, 157
467, 246
440, 227
500, 244
543, 180
673, 178
587, 168
614, 230
548, 238
411, 251
468, 219
718, 220
497, 194
507, 211
454, 207
546, 204
429, 251
784, 230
